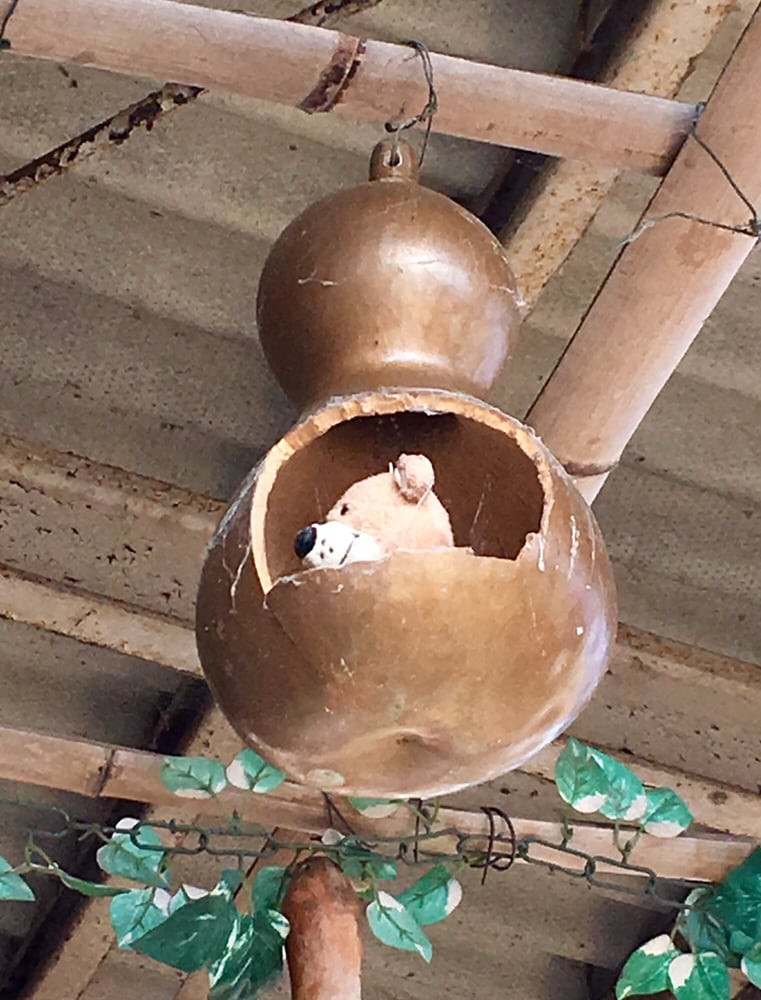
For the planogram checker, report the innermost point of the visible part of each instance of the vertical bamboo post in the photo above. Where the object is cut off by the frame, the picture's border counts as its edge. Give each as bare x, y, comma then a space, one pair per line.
324, 947
664, 285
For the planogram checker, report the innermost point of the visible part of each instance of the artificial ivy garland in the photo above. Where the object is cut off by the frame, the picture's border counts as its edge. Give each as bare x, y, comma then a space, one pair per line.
190, 929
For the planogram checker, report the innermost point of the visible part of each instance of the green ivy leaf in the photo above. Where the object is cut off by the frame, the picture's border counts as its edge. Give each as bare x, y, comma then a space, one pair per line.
253, 960
252, 772
432, 897
666, 814
359, 863
580, 779
267, 966
193, 777
185, 894
740, 943
193, 936
646, 971
94, 890
625, 794
736, 903
13, 886
702, 930
699, 977
230, 881
353, 869
751, 964
276, 922
375, 808
269, 888
381, 869
133, 914
138, 859
394, 925
230, 975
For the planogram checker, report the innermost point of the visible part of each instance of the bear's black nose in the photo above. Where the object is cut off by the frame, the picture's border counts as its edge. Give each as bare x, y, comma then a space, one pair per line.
305, 541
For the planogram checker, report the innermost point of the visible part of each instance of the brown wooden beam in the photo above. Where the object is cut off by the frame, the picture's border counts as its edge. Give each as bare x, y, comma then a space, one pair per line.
99, 770
320, 70
664, 284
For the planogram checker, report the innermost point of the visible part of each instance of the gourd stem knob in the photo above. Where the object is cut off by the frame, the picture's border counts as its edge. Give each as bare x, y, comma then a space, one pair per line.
394, 158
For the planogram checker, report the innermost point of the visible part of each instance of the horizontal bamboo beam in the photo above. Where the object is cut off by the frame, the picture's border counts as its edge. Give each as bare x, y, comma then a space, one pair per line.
320, 70
664, 285
99, 770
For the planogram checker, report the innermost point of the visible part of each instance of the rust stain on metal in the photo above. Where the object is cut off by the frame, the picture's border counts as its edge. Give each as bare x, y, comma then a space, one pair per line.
117, 129
326, 12
336, 76
110, 132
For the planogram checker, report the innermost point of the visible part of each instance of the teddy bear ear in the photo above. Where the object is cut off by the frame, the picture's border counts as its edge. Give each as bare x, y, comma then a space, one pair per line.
414, 476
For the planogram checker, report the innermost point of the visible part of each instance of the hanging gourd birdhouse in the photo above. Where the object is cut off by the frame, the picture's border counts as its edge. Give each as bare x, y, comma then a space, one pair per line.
455, 610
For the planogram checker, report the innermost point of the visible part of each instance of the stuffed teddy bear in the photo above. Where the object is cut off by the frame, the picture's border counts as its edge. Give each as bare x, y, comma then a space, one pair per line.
393, 510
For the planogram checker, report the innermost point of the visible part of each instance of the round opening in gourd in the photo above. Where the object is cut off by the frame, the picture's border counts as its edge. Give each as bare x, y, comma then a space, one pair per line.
489, 486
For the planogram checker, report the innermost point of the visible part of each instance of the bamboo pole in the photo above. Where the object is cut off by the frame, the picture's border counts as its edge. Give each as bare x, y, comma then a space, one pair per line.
663, 286
99, 770
320, 70
660, 49
324, 948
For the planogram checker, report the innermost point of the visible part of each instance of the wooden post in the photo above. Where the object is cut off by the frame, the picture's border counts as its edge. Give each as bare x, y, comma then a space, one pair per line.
319, 70
664, 285
324, 948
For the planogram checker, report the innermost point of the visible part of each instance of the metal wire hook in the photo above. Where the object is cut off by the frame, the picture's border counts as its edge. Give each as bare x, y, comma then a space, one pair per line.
426, 115
497, 861
4, 43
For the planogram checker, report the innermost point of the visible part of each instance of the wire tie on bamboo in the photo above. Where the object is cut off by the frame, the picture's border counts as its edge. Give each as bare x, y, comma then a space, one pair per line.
4, 43
494, 859
751, 228
428, 112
